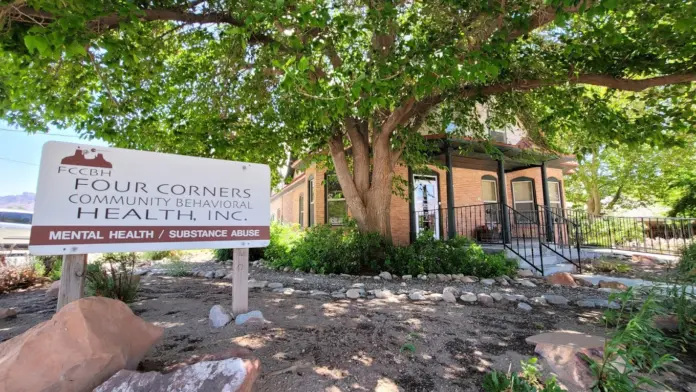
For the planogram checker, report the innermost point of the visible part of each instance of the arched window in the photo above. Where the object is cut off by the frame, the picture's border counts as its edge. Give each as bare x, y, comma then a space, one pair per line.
523, 198
336, 207
301, 212
555, 199
489, 196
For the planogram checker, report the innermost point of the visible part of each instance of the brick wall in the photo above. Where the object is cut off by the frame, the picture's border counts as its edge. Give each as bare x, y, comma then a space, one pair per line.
467, 192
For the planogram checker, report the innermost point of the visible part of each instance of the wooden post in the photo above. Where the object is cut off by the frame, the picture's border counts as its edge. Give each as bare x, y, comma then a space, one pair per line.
72, 279
240, 281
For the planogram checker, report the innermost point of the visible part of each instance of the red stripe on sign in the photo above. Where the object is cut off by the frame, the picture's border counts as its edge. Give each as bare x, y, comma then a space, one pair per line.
84, 235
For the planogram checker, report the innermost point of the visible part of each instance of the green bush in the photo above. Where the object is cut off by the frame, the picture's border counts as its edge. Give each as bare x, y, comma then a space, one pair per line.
529, 380
687, 263
227, 254
327, 249
112, 276
48, 266
177, 268
161, 254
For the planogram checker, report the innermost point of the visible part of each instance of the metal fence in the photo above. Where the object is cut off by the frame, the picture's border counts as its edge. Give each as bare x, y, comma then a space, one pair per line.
649, 235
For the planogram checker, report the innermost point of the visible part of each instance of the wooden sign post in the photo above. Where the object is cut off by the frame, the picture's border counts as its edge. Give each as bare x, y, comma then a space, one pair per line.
240, 281
72, 279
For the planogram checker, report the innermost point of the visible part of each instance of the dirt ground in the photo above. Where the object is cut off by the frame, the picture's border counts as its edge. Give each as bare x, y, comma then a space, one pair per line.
339, 345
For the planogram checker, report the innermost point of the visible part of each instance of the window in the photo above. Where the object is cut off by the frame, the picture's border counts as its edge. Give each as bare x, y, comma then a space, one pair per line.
310, 197
23, 218
523, 199
301, 212
498, 136
489, 195
336, 207
555, 196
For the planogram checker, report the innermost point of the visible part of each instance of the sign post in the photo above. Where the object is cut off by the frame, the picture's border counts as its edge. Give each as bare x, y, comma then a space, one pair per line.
101, 199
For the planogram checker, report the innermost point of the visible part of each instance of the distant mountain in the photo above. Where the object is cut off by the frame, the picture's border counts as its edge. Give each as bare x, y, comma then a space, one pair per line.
25, 201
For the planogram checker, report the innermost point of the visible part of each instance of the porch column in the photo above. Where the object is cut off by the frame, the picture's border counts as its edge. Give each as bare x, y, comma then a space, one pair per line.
451, 223
502, 197
548, 216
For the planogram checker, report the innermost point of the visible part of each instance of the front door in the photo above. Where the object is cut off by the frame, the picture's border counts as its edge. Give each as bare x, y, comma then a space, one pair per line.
426, 204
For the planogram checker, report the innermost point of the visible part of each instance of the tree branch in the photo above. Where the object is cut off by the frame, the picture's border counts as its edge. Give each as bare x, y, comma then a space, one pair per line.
25, 14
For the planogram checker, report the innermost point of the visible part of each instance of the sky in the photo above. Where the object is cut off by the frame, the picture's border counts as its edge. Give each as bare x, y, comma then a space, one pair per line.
20, 154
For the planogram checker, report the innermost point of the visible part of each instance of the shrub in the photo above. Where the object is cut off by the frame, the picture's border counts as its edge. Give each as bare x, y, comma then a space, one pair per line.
13, 278
529, 380
112, 277
687, 263
327, 249
177, 268
161, 254
48, 266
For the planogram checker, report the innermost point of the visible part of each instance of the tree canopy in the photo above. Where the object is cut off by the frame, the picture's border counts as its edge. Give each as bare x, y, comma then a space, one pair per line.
258, 80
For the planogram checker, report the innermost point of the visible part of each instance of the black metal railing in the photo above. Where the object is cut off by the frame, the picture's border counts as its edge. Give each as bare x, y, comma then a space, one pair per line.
560, 235
639, 234
525, 237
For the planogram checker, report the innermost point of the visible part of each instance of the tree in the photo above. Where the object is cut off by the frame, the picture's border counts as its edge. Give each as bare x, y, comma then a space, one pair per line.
261, 79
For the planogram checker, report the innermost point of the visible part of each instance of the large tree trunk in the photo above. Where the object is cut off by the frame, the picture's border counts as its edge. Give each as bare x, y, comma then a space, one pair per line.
368, 186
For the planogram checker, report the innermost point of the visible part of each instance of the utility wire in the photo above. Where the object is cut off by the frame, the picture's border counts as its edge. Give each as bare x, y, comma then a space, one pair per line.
44, 134
15, 161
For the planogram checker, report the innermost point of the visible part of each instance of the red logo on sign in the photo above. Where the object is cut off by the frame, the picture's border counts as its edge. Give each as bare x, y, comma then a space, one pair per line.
80, 159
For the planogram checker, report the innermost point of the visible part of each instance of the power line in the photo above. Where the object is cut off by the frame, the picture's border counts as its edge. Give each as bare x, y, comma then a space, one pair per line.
15, 161
44, 134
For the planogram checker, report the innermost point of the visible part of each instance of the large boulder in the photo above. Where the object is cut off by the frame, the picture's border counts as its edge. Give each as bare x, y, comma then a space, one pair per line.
563, 352
84, 344
561, 278
227, 375
53, 289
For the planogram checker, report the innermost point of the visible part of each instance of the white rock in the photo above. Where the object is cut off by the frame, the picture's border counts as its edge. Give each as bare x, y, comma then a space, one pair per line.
469, 297
485, 299
467, 279
423, 277
443, 278
383, 294
514, 297
435, 297
416, 296
257, 285
353, 293
538, 301
385, 275
555, 299
406, 277
526, 283
586, 303
502, 281
497, 297
488, 282
449, 296
210, 275
358, 285
318, 292
525, 273
286, 269
275, 285
403, 284
524, 306
338, 295
254, 315
376, 277
219, 274
219, 316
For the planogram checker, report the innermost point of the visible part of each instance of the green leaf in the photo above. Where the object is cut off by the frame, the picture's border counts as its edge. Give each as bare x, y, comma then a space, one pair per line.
36, 43
76, 50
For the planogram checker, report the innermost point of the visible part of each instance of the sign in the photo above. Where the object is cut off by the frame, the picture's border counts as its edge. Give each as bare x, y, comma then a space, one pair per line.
102, 199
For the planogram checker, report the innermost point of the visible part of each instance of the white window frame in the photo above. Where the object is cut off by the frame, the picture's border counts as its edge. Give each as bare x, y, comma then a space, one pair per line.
556, 205
515, 202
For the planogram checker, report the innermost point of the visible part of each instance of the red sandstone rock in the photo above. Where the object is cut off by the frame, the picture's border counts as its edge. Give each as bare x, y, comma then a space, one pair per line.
561, 278
83, 345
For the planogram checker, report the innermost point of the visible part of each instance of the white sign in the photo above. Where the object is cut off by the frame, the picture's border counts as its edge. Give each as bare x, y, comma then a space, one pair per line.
102, 199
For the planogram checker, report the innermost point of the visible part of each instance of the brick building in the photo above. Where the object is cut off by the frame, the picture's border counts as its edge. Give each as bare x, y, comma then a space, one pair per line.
464, 198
